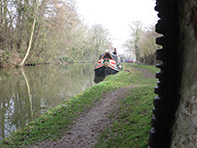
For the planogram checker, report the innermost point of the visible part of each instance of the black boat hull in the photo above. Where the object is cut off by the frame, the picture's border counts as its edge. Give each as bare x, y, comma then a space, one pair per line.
104, 71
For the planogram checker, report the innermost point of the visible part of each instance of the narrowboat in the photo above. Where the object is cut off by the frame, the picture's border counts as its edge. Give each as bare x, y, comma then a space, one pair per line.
108, 64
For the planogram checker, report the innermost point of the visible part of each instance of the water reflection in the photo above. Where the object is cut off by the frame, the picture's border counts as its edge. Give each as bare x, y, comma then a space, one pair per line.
28, 90
26, 93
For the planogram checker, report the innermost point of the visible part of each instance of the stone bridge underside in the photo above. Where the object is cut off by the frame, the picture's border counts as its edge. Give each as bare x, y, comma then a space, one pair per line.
175, 108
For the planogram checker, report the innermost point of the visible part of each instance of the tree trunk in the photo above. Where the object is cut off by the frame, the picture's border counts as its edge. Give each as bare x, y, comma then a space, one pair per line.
31, 37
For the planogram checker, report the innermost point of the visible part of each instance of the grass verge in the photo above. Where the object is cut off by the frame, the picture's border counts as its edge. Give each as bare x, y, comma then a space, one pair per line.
130, 128
131, 124
151, 69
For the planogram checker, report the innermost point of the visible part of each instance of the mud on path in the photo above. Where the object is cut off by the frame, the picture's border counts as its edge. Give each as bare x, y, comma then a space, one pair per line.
90, 124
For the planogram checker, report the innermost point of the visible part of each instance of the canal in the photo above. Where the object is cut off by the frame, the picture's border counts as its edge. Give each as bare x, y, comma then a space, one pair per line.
26, 93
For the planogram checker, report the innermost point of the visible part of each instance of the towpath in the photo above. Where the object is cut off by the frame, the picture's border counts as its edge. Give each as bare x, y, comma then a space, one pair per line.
90, 124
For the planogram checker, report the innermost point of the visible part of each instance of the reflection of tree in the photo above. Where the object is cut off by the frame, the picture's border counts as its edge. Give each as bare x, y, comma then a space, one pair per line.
28, 90
47, 86
14, 105
2, 119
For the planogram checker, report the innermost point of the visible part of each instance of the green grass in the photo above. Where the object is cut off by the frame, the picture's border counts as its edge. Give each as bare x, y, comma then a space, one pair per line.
132, 125
151, 69
132, 120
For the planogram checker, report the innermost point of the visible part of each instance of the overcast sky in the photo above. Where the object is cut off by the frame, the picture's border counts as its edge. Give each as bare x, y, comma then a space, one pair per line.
115, 15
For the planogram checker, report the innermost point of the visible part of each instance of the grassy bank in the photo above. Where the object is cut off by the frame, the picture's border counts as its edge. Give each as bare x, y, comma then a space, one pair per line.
149, 68
132, 121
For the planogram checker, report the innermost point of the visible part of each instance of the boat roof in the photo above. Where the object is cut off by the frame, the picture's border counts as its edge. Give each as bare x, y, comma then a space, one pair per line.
112, 56
110, 53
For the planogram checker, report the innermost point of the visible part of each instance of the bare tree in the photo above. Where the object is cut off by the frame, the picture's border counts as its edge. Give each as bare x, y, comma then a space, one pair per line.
147, 45
32, 33
131, 46
40, 31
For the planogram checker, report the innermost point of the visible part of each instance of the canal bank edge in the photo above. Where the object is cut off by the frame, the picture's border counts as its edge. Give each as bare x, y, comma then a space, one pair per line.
49, 125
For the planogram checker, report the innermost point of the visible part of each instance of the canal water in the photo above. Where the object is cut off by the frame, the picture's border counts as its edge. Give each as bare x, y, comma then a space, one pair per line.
26, 93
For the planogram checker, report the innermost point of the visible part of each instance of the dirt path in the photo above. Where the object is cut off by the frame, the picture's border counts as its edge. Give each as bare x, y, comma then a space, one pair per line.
146, 73
85, 131
87, 127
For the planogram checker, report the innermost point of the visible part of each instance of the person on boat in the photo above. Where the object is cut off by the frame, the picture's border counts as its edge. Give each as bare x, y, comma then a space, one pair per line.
115, 51
118, 59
